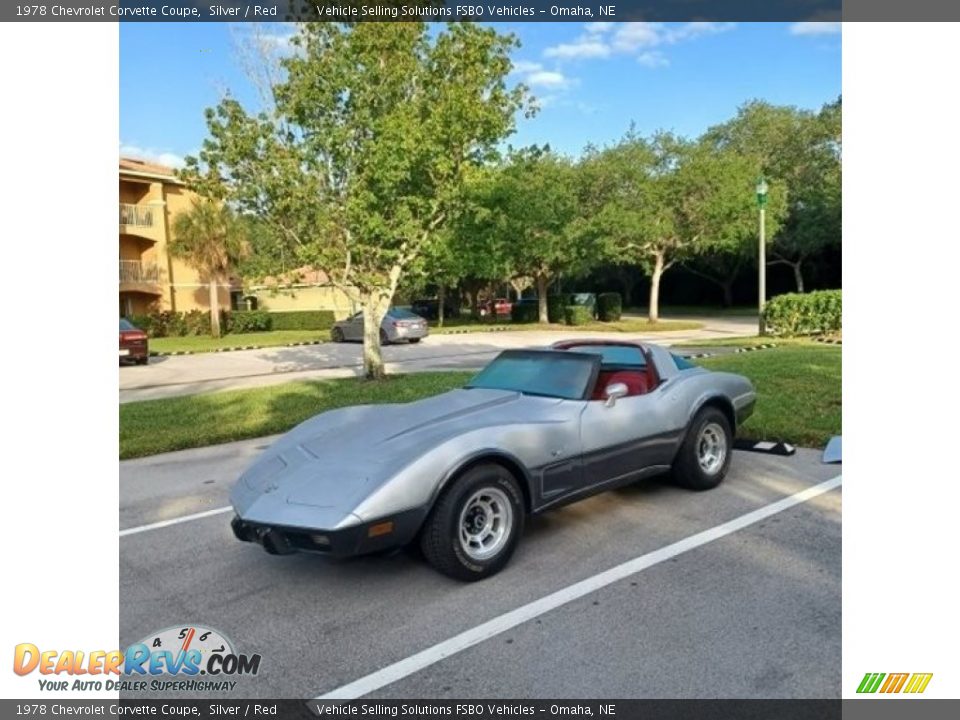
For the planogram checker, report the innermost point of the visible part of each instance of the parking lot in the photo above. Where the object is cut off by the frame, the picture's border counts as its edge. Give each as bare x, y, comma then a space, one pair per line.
647, 591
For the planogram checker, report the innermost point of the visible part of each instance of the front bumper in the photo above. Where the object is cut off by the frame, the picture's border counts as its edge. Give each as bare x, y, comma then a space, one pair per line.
381, 534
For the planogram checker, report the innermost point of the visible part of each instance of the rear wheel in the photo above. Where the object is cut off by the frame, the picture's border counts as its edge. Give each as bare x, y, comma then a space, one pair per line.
384, 338
143, 361
414, 340
336, 335
704, 457
475, 525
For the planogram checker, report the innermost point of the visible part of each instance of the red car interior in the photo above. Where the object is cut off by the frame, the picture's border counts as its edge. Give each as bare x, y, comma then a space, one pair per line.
638, 382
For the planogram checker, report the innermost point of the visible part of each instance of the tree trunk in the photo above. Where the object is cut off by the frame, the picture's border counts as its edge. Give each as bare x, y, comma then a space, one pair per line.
653, 314
214, 310
626, 279
798, 274
727, 286
441, 298
542, 298
375, 306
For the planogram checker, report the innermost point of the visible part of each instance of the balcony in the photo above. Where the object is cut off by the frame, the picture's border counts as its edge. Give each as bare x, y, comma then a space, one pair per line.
136, 276
136, 216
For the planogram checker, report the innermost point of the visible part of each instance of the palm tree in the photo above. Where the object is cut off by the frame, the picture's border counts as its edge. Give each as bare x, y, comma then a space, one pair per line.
211, 238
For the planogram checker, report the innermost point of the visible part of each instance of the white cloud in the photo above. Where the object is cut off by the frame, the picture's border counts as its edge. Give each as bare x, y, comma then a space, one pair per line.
815, 28
584, 47
535, 75
152, 155
602, 40
652, 59
546, 78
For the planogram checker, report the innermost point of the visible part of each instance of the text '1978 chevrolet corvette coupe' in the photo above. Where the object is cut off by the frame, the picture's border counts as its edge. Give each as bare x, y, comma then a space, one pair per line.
459, 472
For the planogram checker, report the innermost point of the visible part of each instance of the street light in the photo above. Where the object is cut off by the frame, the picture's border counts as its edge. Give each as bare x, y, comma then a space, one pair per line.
762, 188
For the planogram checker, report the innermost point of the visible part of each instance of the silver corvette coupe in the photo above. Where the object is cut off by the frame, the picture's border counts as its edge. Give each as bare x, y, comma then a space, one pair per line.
457, 473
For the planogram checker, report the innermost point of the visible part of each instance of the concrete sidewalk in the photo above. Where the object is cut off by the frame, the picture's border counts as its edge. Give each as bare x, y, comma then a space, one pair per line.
210, 372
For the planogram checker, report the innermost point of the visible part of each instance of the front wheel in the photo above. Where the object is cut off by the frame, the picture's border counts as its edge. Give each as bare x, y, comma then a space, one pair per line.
474, 528
336, 335
414, 341
704, 457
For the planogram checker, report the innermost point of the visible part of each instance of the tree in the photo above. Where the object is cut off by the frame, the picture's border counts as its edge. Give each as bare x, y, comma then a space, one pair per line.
800, 150
358, 165
529, 214
667, 199
212, 239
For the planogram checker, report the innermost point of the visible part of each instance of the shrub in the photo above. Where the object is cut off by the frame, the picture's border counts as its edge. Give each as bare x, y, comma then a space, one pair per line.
555, 306
302, 320
249, 321
804, 313
577, 314
525, 312
609, 306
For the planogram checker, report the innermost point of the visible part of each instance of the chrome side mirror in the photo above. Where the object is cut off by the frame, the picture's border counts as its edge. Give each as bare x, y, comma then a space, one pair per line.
615, 391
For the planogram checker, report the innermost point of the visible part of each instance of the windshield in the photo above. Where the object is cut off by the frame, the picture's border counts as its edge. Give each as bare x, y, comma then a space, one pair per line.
126, 325
534, 372
401, 314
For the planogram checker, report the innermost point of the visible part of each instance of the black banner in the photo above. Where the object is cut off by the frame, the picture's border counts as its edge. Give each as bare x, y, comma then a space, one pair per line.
433, 10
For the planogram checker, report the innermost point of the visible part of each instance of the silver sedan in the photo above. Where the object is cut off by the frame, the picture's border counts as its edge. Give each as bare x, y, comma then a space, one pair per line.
397, 325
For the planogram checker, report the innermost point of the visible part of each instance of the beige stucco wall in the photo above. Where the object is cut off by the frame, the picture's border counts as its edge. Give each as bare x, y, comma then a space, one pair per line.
313, 297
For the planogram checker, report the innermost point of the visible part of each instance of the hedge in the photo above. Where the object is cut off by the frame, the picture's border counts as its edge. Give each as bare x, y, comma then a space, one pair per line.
176, 324
555, 306
609, 306
525, 313
249, 321
302, 320
577, 314
804, 313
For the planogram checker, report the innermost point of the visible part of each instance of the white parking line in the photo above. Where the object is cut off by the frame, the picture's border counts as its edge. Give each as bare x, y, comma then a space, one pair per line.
174, 521
491, 628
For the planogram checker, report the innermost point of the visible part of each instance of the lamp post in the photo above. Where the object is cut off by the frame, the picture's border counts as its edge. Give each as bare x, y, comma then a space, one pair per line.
762, 269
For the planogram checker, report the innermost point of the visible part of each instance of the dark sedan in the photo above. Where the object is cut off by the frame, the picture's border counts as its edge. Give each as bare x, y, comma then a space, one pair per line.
133, 343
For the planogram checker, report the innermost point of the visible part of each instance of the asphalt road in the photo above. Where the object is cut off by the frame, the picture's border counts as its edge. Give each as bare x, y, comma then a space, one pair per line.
751, 613
209, 372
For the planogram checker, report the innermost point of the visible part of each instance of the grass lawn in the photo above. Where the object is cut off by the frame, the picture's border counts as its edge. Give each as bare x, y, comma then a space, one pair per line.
798, 391
626, 325
205, 343
155, 426
798, 388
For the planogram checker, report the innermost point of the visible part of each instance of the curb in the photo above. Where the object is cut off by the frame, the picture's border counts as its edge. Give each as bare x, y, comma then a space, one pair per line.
752, 348
828, 341
492, 328
233, 349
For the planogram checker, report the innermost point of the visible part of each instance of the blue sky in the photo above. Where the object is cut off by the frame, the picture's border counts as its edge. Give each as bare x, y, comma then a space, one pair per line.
592, 80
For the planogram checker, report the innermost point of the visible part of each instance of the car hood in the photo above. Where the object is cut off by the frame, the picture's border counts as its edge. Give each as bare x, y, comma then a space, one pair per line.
337, 458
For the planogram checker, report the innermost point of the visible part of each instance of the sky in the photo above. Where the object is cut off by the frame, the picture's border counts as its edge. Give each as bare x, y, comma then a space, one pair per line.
591, 80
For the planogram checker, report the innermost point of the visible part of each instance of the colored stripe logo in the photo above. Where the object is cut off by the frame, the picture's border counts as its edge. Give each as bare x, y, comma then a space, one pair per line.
894, 682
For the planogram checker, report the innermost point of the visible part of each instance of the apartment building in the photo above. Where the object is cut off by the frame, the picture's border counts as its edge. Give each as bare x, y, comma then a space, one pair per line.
151, 197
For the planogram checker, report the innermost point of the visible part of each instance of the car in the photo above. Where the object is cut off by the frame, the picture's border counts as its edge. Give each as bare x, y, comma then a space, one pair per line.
458, 473
429, 308
396, 325
134, 344
498, 307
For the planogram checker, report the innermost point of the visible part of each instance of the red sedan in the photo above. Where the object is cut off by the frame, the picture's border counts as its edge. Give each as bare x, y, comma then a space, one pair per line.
133, 343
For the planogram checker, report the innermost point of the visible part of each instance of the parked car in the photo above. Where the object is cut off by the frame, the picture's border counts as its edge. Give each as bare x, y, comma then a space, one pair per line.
498, 307
133, 343
397, 325
459, 472
429, 308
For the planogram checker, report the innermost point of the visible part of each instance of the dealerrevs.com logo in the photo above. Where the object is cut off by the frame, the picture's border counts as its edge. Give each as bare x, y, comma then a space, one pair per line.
894, 683
179, 658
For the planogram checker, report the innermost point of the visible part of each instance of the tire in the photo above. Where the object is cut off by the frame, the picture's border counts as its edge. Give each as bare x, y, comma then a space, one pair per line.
414, 340
143, 360
336, 335
704, 457
384, 338
448, 540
